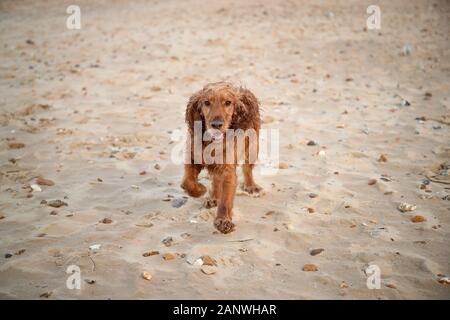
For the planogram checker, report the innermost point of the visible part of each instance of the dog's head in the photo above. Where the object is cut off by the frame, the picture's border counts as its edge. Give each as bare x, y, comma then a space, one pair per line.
215, 105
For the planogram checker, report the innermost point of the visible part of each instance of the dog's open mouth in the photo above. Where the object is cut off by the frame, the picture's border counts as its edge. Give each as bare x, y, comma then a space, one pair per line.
215, 135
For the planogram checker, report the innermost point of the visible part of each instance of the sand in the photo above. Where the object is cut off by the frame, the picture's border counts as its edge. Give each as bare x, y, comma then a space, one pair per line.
95, 109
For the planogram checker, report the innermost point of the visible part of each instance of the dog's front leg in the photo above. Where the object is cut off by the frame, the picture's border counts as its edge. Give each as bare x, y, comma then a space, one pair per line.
190, 180
224, 216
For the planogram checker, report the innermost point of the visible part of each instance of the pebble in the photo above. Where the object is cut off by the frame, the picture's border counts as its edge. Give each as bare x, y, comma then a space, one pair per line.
90, 281
44, 182
8, 255
283, 165
168, 256
406, 207
106, 221
417, 219
95, 247
313, 195
204, 215
168, 241
372, 182
35, 188
46, 294
157, 167
315, 252
16, 145
150, 253
146, 275
56, 203
208, 261
208, 269
444, 280
382, 158
268, 119
311, 210
311, 143
310, 268
178, 202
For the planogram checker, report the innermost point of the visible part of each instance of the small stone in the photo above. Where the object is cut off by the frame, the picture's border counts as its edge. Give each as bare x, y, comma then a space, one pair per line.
95, 247
168, 256
382, 158
406, 207
444, 280
313, 195
16, 145
311, 143
372, 182
315, 252
35, 188
150, 253
146, 275
268, 119
311, 210
142, 173
157, 167
391, 285
343, 285
8, 255
417, 219
206, 269
56, 203
208, 261
90, 281
310, 268
283, 165
204, 215
46, 294
44, 182
178, 202
2, 217
168, 241
18, 253
106, 221
53, 212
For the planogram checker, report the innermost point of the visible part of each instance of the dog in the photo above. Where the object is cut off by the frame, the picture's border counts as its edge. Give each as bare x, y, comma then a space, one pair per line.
222, 107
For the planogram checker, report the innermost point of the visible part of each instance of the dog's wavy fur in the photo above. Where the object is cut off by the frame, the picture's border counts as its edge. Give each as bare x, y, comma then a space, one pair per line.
245, 115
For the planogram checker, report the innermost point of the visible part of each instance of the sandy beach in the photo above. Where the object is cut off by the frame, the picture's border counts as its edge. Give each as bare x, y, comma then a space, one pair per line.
88, 117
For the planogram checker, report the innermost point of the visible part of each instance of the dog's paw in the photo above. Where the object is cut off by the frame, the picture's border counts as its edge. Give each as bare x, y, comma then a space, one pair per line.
224, 225
195, 190
253, 190
210, 203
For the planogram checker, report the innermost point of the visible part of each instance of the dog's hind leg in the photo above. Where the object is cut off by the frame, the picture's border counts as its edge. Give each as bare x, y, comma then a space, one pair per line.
249, 183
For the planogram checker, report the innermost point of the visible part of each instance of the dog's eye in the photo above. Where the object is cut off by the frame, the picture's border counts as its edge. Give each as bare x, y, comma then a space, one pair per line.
227, 103
207, 103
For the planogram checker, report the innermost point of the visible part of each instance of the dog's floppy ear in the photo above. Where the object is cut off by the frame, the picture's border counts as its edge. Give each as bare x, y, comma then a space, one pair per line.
247, 108
193, 110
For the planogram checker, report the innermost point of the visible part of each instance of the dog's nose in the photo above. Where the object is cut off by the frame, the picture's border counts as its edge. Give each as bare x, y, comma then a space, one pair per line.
217, 124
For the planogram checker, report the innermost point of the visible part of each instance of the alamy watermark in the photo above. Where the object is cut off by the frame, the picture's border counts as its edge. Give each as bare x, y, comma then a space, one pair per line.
373, 22
248, 146
74, 19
